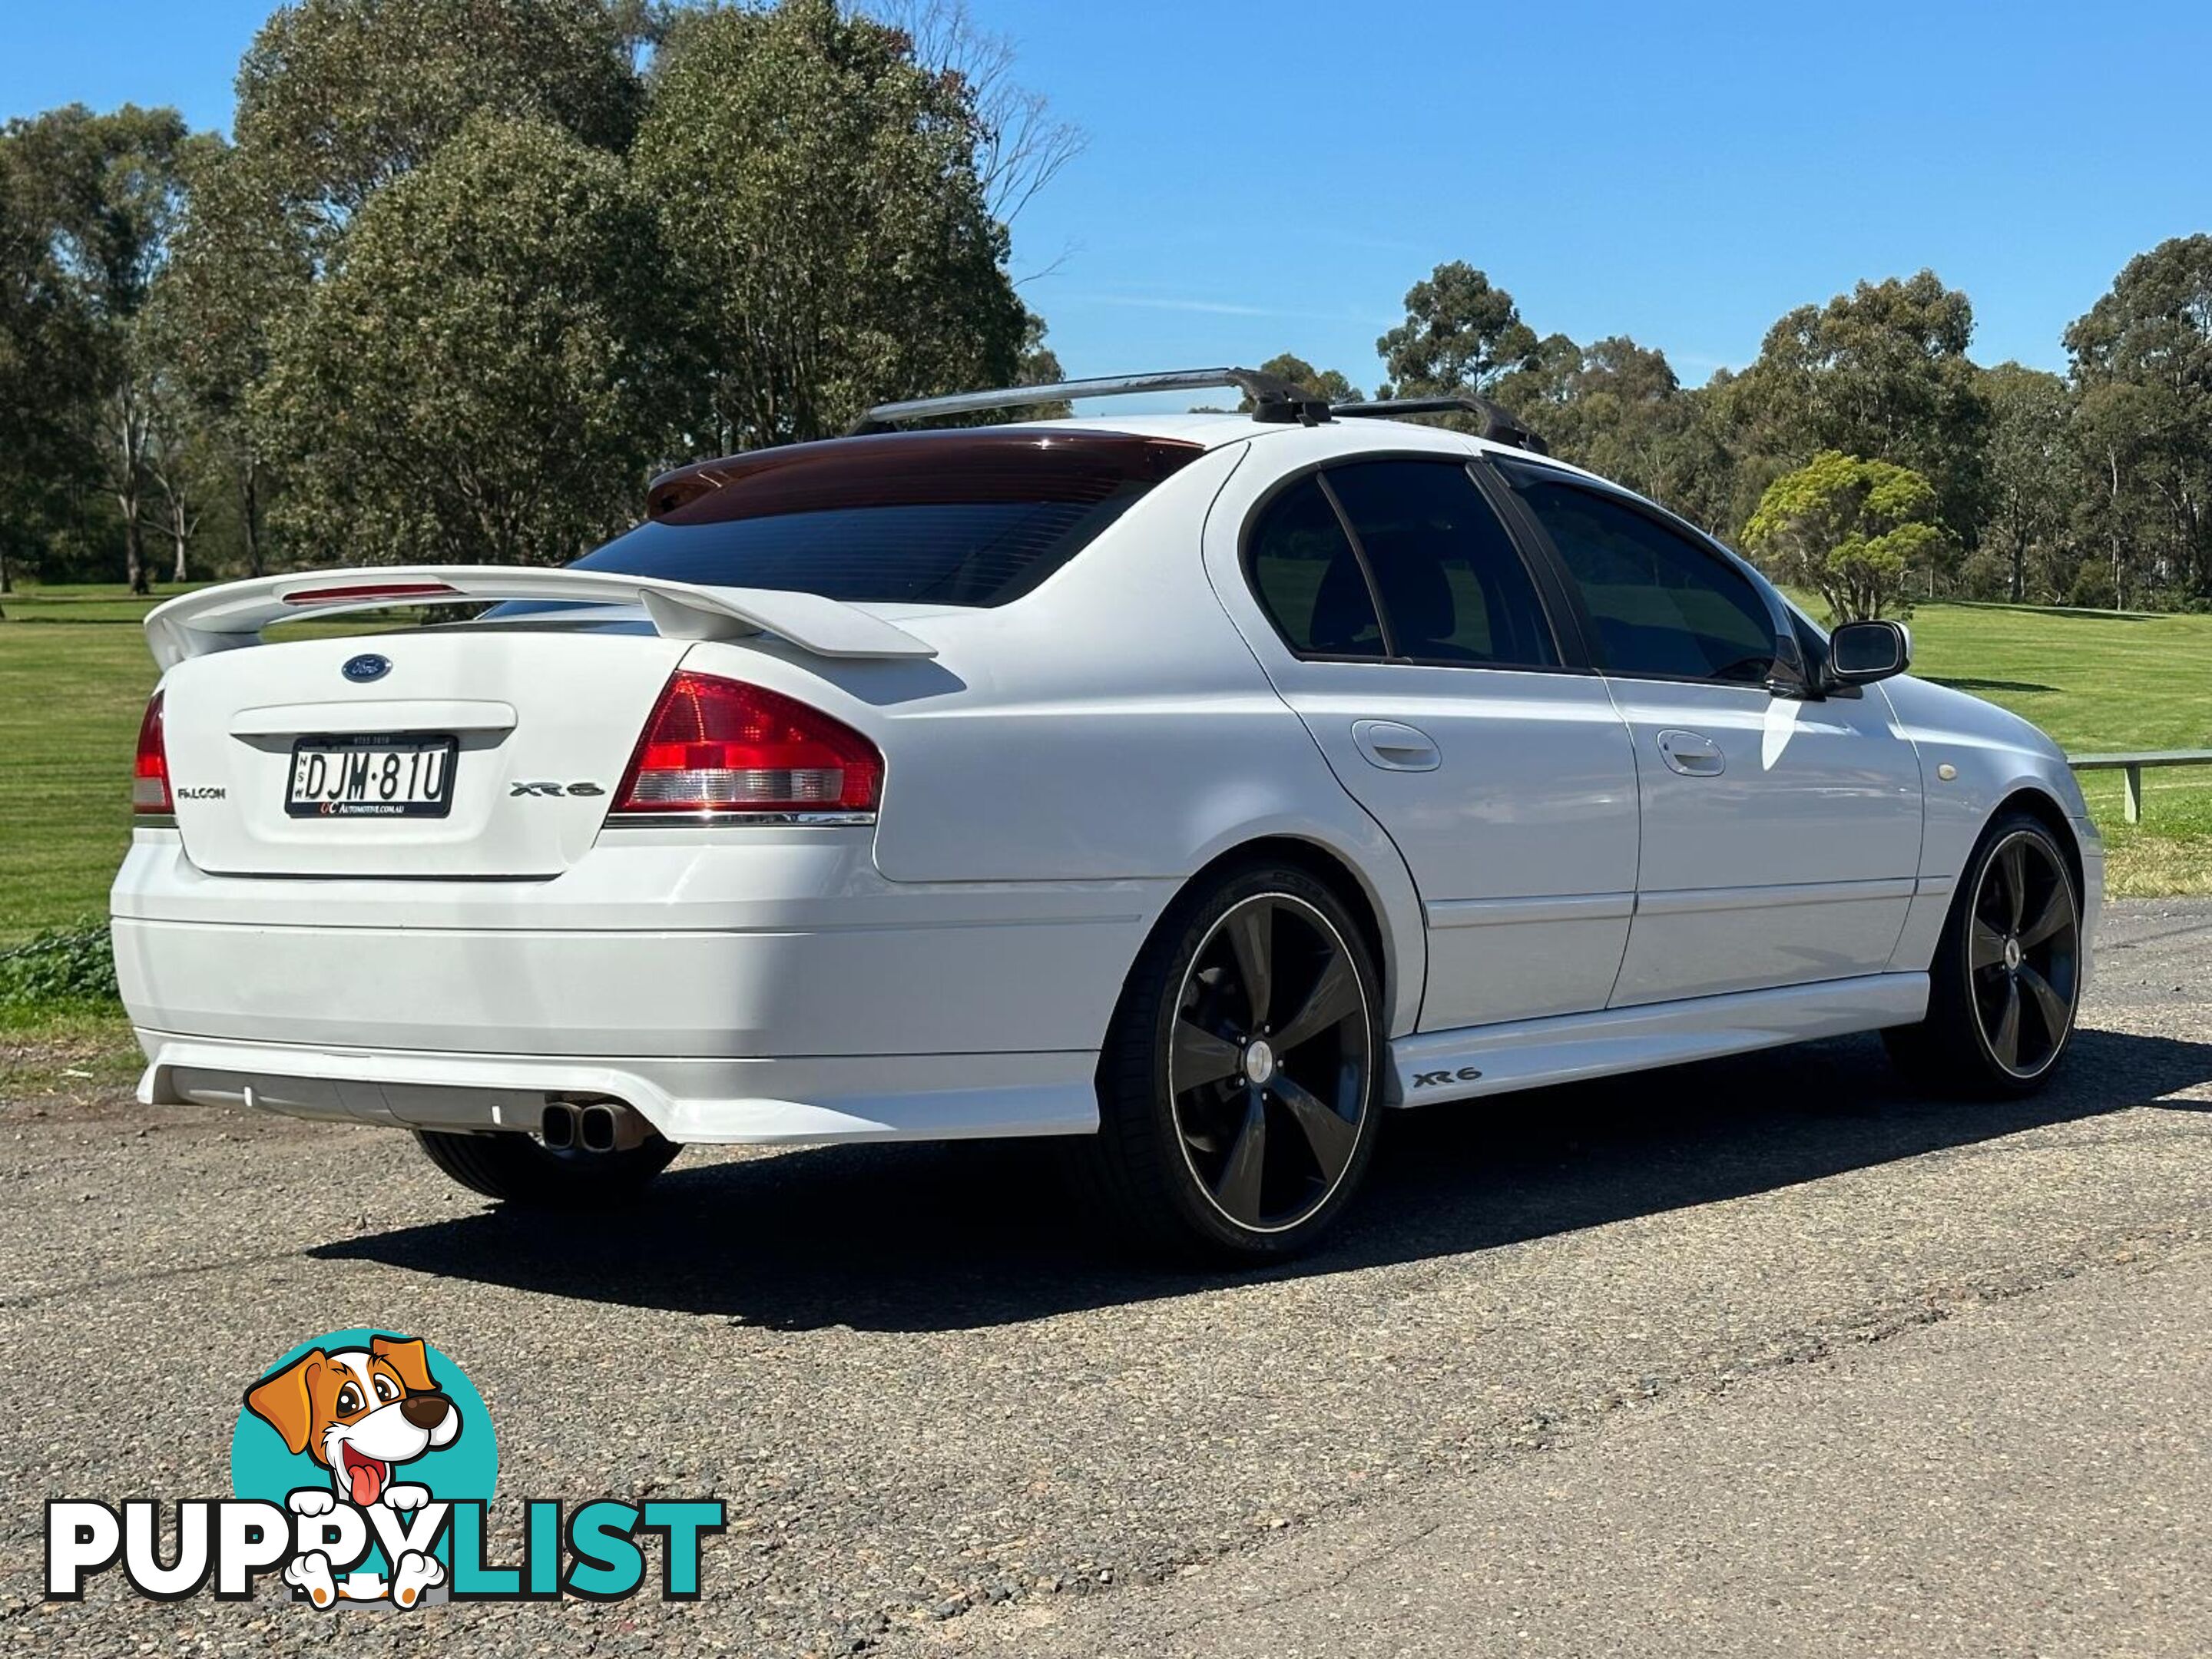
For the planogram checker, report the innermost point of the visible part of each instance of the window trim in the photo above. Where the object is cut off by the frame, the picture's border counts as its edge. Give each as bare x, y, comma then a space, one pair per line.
1569, 642
1790, 679
1382, 628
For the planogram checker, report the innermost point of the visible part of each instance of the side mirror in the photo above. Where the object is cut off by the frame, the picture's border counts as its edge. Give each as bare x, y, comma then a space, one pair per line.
1860, 653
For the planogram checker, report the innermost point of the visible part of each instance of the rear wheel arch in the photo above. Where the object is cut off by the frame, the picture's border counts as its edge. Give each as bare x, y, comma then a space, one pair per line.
1326, 866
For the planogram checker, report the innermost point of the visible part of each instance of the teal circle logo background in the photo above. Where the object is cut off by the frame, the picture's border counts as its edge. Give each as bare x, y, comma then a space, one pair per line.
262, 1467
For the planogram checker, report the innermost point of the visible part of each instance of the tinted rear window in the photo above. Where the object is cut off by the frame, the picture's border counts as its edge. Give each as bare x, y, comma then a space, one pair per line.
974, 518
980, 553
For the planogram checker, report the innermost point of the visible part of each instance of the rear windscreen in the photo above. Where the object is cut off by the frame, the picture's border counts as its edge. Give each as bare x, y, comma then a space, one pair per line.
940, 518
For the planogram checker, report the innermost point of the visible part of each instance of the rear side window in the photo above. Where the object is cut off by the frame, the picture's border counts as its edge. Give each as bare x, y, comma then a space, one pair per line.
1663, 606
1453, 586
964, 518
1308, 579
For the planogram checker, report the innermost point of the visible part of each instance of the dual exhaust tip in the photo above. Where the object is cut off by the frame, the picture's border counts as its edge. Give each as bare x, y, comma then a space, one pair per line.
599, 1126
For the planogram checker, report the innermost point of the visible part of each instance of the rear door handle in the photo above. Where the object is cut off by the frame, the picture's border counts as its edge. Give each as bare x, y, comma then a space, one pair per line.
1396, 747
1692, 754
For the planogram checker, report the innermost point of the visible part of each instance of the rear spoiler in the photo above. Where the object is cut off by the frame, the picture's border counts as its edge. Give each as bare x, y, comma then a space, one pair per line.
221, 618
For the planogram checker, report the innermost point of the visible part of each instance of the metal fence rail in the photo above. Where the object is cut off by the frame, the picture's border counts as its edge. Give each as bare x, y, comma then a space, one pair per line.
2131, 766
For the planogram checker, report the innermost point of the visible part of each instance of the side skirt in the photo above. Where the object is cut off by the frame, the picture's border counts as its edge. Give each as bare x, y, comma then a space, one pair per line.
1487, 1060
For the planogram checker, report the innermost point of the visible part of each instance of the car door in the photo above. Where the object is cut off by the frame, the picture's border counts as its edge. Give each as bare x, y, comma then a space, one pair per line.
1393, 613
1781, 831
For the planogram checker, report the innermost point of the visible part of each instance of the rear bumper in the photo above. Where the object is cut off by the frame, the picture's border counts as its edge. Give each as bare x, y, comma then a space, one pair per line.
767, 1101
756, 986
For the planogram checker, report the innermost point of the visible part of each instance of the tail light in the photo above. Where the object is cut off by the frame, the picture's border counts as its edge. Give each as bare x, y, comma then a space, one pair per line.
718, 746
150, 784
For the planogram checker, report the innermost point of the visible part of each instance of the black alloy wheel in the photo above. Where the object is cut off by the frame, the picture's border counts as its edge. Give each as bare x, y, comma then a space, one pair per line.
1238, 1088
2023, 953
1269, 1065
2006, 981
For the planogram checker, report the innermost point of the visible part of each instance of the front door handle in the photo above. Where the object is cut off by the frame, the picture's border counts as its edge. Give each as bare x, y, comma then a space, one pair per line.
1692, 754
1396, 747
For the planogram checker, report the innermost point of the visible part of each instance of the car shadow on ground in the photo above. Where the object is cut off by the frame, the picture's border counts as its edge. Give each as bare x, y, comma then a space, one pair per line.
943, 1237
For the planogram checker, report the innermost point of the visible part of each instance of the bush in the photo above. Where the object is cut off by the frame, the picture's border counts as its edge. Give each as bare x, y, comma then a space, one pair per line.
69, 967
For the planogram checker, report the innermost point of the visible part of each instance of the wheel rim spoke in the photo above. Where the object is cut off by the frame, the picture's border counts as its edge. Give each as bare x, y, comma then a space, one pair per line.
1330, 1136
2004, 1042
1251, 940
1239, 1190
2013, 861
1334, 1000
1984, 944
1199, 1057
2050, 1007
2057, 913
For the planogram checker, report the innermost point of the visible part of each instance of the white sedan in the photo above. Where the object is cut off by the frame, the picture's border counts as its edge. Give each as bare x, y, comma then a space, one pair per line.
1198, 787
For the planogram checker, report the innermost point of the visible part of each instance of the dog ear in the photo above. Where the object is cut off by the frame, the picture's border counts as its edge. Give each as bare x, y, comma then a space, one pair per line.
404, 1354
282, 1400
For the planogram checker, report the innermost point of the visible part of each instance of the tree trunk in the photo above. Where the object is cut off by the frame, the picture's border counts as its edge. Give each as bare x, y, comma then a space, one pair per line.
180, 533
2019, 568
134, 549
249, 513
2113, 457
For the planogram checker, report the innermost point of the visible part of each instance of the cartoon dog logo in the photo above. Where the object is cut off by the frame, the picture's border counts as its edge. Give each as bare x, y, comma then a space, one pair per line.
362, 1413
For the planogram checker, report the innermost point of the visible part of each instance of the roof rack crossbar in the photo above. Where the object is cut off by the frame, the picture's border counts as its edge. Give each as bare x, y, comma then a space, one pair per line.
1498, 425
1273, 399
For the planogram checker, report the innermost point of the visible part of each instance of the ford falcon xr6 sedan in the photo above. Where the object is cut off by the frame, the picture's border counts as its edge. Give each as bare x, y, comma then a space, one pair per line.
1195, 788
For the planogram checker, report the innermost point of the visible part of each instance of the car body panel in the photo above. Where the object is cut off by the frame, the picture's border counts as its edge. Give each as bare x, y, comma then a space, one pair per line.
782, 942
1523, 837
232, 719
1996, 756
1794, 861
1057, 771
1490, 1060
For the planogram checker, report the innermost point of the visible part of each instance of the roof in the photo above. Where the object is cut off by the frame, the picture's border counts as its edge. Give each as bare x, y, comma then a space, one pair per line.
1132, 447
1350, 436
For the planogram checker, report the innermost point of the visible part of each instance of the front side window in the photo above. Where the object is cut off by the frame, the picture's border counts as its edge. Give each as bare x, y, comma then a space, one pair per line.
1453, 586
1662, 606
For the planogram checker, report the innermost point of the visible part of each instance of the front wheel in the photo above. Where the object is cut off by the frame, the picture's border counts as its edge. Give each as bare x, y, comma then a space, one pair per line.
2007, 978
1237, 1091
521, 1170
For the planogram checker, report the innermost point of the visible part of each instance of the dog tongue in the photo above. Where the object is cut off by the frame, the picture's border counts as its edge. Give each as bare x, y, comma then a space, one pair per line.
368, 1481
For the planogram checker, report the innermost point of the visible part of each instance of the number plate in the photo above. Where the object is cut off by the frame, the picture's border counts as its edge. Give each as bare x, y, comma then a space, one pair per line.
379, 777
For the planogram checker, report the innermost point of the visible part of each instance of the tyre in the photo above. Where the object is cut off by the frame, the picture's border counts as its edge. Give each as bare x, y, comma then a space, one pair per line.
2006, 977
521, 1170
1237, 1088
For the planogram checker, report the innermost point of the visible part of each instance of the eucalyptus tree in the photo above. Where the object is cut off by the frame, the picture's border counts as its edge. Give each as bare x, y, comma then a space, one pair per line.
103, 193
483, 375
1881, 372
823, 221
1851, 529
1461, 334
2143, 363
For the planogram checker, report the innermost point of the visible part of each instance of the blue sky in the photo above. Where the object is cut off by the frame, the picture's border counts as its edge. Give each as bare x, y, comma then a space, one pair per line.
1263, 178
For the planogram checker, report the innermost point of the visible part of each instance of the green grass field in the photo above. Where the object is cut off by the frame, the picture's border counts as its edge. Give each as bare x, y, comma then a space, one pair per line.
74, 676
2098, 682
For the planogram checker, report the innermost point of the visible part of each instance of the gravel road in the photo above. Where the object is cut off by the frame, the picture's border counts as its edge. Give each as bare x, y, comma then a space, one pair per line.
1765, 1354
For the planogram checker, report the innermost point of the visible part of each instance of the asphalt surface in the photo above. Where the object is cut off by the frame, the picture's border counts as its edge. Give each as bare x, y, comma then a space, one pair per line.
1765, 1355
